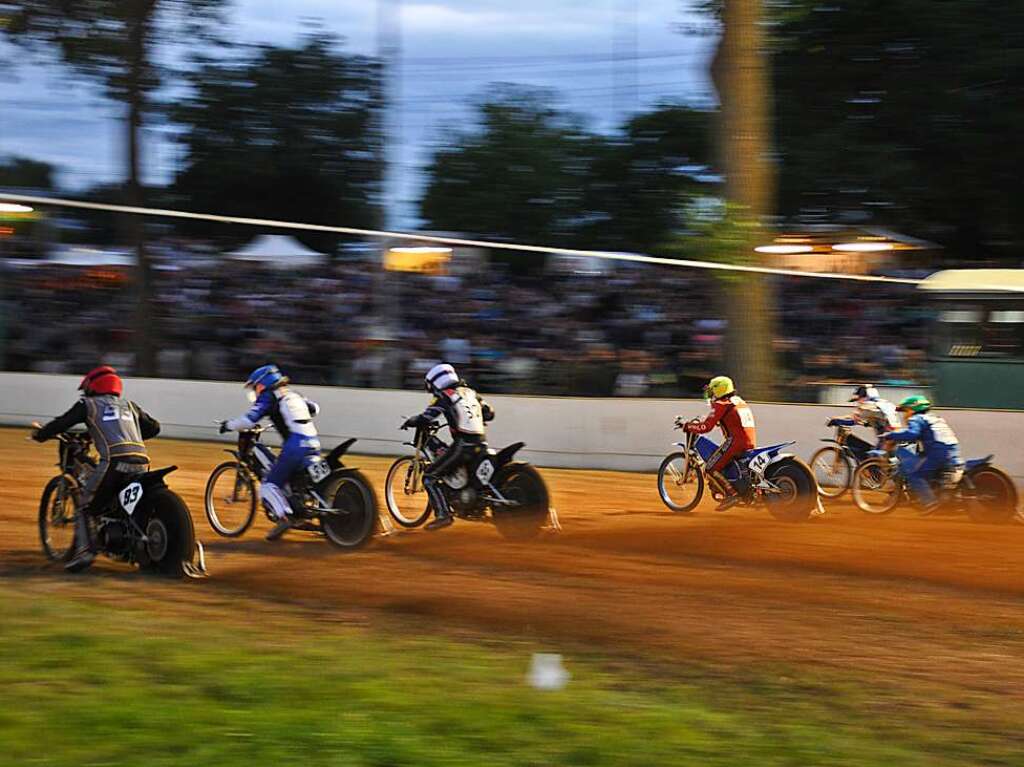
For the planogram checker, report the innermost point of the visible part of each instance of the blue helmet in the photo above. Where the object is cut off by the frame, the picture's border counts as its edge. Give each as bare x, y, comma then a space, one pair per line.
267, 376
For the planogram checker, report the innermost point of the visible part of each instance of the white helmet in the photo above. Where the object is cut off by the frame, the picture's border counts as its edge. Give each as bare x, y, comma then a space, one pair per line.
441, 377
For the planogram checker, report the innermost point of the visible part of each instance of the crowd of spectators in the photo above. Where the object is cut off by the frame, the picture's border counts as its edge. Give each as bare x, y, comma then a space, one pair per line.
636, 330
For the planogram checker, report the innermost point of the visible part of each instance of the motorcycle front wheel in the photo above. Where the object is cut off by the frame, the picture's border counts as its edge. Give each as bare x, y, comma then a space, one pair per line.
833, 471
230, 500
680, 483
404, 494
57, 518
876, 486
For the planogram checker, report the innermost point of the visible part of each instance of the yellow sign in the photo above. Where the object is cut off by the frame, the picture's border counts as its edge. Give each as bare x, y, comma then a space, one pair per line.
424, 260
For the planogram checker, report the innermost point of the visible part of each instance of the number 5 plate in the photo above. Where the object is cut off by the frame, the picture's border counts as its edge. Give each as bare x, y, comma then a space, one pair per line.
318, 471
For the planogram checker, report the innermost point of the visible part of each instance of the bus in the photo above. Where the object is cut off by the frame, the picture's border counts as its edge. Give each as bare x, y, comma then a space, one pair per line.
977, 346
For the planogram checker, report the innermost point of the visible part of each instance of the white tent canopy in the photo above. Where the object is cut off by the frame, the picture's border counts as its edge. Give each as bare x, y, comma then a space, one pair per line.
278, 250
84, 255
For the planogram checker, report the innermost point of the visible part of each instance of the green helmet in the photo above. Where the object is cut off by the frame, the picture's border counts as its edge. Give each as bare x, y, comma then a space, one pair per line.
916, 404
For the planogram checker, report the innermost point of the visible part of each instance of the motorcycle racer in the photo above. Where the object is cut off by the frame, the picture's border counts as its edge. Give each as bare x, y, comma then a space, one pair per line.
466, 413
872, 411
118, 429
292, 416
736, 420
939, 454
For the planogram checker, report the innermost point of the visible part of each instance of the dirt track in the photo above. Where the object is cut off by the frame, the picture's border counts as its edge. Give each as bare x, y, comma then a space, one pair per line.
939, 599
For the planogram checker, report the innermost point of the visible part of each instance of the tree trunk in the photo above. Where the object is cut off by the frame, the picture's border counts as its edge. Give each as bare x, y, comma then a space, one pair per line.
144, 332
740, 75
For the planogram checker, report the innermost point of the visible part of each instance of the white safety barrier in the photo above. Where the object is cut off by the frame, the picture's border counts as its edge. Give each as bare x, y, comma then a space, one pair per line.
572, 432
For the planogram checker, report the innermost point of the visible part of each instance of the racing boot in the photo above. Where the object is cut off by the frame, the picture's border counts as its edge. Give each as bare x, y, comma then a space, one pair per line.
731, 496
442, 512
275, 500
284, 524
84, 552
728, 502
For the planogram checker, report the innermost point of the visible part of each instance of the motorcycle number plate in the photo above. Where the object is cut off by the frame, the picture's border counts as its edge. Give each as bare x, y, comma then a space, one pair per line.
318, 471
485, 471
130, 497
760, 463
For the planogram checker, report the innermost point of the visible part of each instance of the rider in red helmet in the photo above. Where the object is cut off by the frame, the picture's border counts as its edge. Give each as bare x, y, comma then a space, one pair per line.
118, 428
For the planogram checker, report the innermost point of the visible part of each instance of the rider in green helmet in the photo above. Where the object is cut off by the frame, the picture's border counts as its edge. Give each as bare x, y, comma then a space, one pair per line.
940, 449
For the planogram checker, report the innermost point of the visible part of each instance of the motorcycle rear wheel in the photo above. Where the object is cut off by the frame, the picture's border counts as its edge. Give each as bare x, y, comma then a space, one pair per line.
522, 483
352, 494
994, 496
799, 496
173, 537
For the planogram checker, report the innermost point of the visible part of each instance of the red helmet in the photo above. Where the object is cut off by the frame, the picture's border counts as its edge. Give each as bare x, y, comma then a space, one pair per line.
101, 380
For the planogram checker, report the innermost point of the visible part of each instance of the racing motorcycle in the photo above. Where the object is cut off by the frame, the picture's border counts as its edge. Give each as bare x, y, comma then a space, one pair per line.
982, 491
325, 495
145, 523
490, 487
779, 481
835, 463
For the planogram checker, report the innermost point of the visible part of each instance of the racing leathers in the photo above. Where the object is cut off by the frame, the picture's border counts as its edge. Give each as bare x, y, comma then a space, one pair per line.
118, 428
939, 453
466, 413
736, 420
877, 414
292, 416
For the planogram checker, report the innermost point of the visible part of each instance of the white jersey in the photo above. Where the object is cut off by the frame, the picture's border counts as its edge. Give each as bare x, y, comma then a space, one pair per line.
880, 414
295, 412
465, 407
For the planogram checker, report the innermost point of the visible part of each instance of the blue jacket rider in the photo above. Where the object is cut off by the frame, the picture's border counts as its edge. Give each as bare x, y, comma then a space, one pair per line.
940, 449
292, 416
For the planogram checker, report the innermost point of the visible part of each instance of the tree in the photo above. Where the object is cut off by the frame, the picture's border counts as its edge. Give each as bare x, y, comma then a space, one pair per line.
740, 73
23, 172
518, 174
639, 178
905, 113
282, 133
111, 41
529, 172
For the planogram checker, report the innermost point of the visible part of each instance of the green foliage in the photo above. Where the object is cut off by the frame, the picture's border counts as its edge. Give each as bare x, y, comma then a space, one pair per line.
907, 112
22, 172
94, 36
529, 172
519, 174
110, 684
635, 186
728, 238
283, 133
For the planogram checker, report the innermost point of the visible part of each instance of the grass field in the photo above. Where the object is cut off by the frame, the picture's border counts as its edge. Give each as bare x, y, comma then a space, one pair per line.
117, 682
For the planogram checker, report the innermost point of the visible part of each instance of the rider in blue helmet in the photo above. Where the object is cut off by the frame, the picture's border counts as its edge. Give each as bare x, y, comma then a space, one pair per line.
292, 416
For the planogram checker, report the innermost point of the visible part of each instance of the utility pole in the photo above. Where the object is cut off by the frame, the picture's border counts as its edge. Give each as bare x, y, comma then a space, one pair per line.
389, 50
625, 44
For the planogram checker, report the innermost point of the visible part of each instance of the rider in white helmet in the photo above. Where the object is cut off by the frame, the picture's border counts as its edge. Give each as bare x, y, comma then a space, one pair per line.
465, 413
